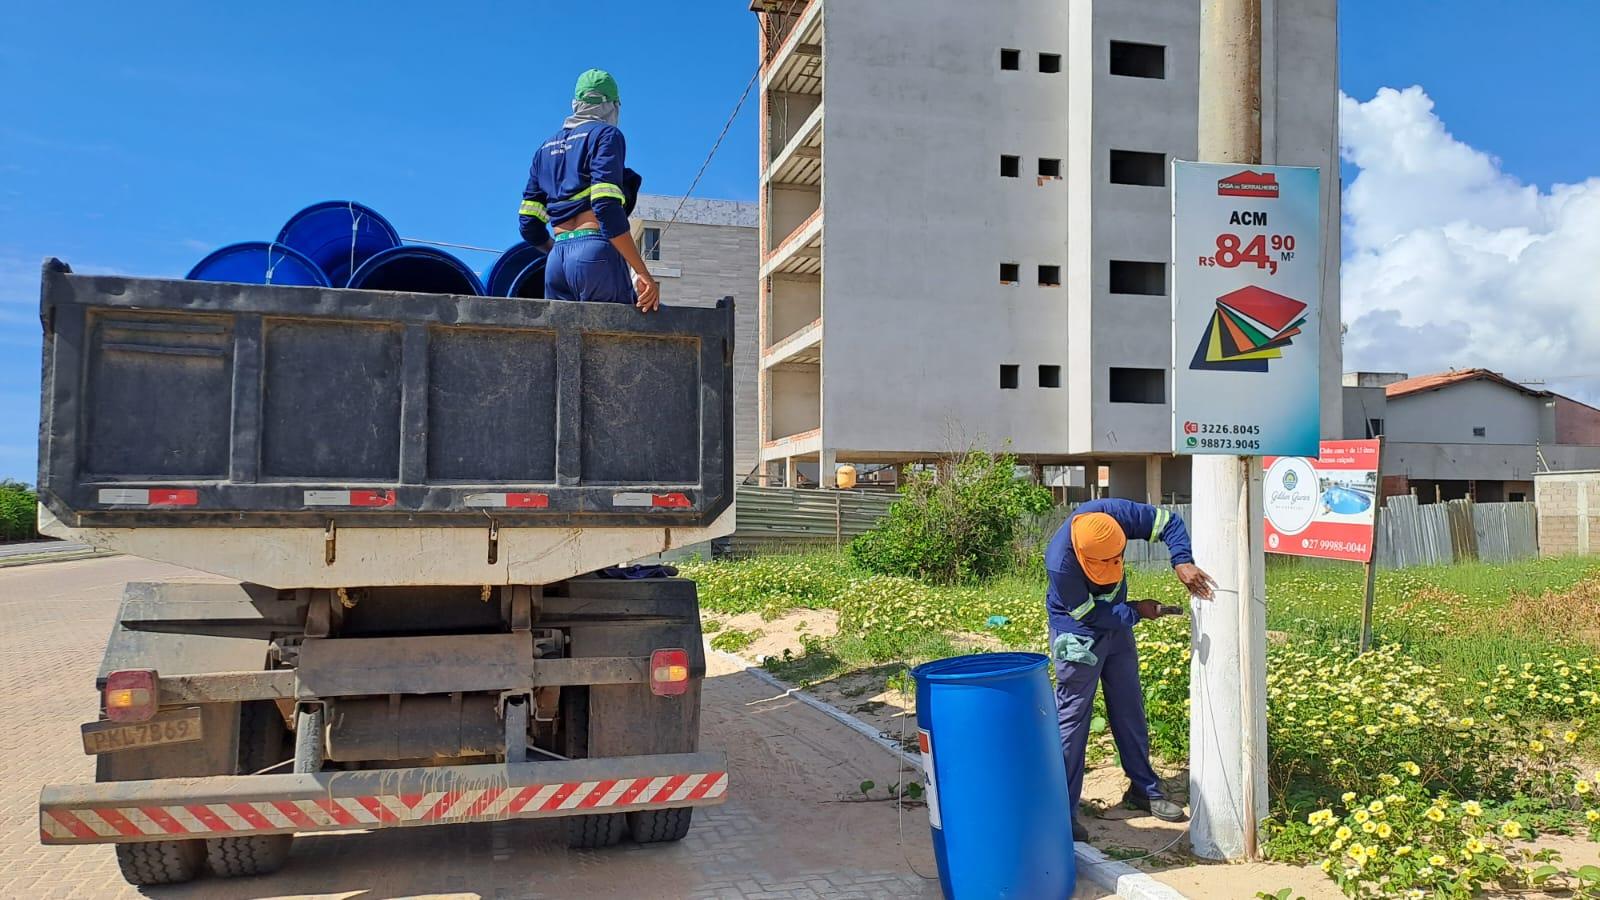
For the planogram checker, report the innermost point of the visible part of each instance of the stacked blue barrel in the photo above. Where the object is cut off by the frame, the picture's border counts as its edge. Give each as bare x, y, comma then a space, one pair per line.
341, 243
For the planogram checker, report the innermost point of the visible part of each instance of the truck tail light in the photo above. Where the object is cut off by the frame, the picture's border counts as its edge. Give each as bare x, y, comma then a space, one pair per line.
669, 672
131, 695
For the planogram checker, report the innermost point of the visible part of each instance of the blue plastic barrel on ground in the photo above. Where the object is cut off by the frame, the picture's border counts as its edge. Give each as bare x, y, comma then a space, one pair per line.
258, 262
418, 270
509, 272
996, 784
339, 235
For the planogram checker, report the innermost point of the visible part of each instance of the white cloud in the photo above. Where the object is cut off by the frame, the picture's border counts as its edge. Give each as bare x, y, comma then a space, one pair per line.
1453, 263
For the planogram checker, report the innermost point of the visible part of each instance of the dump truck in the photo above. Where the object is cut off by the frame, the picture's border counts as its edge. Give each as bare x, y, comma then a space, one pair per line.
413, 502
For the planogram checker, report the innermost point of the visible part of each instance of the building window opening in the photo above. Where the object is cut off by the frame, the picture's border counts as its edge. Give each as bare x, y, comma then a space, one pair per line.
1049, 376
1138, 60
1008, 377
651, 242
1049, 168
1138, 167
1010, 60
1010, 273
1049, 276
1128, 277
1050, 63
1010, 166
1138, 385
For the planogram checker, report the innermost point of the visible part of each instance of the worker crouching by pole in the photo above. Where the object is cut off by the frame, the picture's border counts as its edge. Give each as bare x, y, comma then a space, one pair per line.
1091, 638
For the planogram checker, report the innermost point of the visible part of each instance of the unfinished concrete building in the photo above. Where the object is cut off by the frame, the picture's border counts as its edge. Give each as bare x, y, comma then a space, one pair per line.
966, 228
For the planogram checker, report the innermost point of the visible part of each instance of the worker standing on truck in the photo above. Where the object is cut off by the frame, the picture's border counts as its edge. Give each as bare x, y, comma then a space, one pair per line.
1091, 638
575, 188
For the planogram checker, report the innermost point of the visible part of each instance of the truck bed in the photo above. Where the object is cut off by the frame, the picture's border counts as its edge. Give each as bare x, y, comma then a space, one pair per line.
297, 436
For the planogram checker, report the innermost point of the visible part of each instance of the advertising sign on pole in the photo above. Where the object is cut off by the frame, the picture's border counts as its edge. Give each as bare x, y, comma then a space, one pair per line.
1247, 285
1323, 506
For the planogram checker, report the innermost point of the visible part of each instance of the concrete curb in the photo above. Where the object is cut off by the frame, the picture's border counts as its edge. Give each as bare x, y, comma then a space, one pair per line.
1101, 870
34, 559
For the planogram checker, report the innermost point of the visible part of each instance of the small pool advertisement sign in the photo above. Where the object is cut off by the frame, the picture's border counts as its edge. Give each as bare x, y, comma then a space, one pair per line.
1322, 506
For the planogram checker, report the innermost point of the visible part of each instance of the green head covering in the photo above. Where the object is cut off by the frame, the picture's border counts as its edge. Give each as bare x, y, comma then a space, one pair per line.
596, 86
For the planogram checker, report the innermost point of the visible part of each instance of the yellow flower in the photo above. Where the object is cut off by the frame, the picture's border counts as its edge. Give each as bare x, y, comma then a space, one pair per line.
1394, 799
1583, 787
1327, 865
1511, 829
1362, 815
1592, 815
1369, 827
1375, 806
1536, 746
1437, 860
1371, 730
1472, 808
1468, 721
1570, 737
1334, 846
1435, 814
1348, 796
1403, 850
1475, 846
1343, 833
1384, 830
1411, 768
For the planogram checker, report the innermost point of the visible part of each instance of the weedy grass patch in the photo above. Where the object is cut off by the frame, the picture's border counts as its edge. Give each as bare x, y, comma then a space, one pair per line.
1468, 724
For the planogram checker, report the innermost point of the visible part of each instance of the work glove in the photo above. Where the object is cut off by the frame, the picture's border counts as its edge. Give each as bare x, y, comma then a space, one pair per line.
1073, 649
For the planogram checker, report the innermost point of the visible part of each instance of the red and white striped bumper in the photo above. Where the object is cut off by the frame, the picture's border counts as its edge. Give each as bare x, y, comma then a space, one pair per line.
236, 805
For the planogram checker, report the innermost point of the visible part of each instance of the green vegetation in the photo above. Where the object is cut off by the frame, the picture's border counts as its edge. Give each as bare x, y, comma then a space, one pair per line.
1481, 694
955, 529
733, 640
18, 512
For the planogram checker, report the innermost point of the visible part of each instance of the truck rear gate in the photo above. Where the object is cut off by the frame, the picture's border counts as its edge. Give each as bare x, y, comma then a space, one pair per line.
241, 805
414, 490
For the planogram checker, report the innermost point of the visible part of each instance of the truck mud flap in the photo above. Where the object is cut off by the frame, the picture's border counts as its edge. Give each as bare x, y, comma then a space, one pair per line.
238, 805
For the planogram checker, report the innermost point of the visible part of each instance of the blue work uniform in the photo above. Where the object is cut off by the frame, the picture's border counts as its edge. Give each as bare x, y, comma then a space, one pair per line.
1101, 613
580, 168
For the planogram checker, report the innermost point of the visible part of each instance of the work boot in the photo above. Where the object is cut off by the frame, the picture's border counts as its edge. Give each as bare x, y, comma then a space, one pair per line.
1080, 833
1160, 807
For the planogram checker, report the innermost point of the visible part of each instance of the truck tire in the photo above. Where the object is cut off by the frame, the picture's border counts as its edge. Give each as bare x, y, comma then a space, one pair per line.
591, 832
258, 854
262, 737
160, 862
261, 744
309, 747
659, 826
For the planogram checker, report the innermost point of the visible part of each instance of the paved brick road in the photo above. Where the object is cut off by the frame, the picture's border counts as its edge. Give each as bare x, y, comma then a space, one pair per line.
781, 835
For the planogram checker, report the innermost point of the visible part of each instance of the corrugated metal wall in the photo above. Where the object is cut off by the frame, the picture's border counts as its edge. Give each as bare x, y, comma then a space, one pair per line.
772, 520
1457, 531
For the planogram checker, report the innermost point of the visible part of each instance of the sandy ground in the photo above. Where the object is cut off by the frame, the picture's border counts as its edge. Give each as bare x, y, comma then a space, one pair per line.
790, 828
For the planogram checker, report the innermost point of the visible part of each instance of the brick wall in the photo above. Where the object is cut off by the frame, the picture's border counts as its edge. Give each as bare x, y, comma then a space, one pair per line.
1569, 512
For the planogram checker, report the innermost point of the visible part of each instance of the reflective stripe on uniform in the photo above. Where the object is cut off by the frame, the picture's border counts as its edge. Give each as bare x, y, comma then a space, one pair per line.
536, 209
579, 195
1162, 518
605, 190
1083, 609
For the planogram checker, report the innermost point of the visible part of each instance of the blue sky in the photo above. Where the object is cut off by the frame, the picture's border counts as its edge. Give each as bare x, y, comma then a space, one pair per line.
134, 142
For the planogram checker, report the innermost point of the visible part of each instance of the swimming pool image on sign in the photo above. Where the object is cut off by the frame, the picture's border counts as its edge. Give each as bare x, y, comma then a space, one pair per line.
1346, 502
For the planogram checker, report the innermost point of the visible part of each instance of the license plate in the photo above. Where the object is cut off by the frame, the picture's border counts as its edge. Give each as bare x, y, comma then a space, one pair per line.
178, 726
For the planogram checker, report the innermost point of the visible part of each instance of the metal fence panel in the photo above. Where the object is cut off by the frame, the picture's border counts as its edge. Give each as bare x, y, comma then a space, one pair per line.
1409, 533
775, 519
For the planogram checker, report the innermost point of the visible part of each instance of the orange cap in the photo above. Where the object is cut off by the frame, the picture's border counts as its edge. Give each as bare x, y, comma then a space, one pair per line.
1098, 541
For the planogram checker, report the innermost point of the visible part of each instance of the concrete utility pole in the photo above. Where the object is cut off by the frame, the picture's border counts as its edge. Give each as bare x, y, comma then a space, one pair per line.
1228, 684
